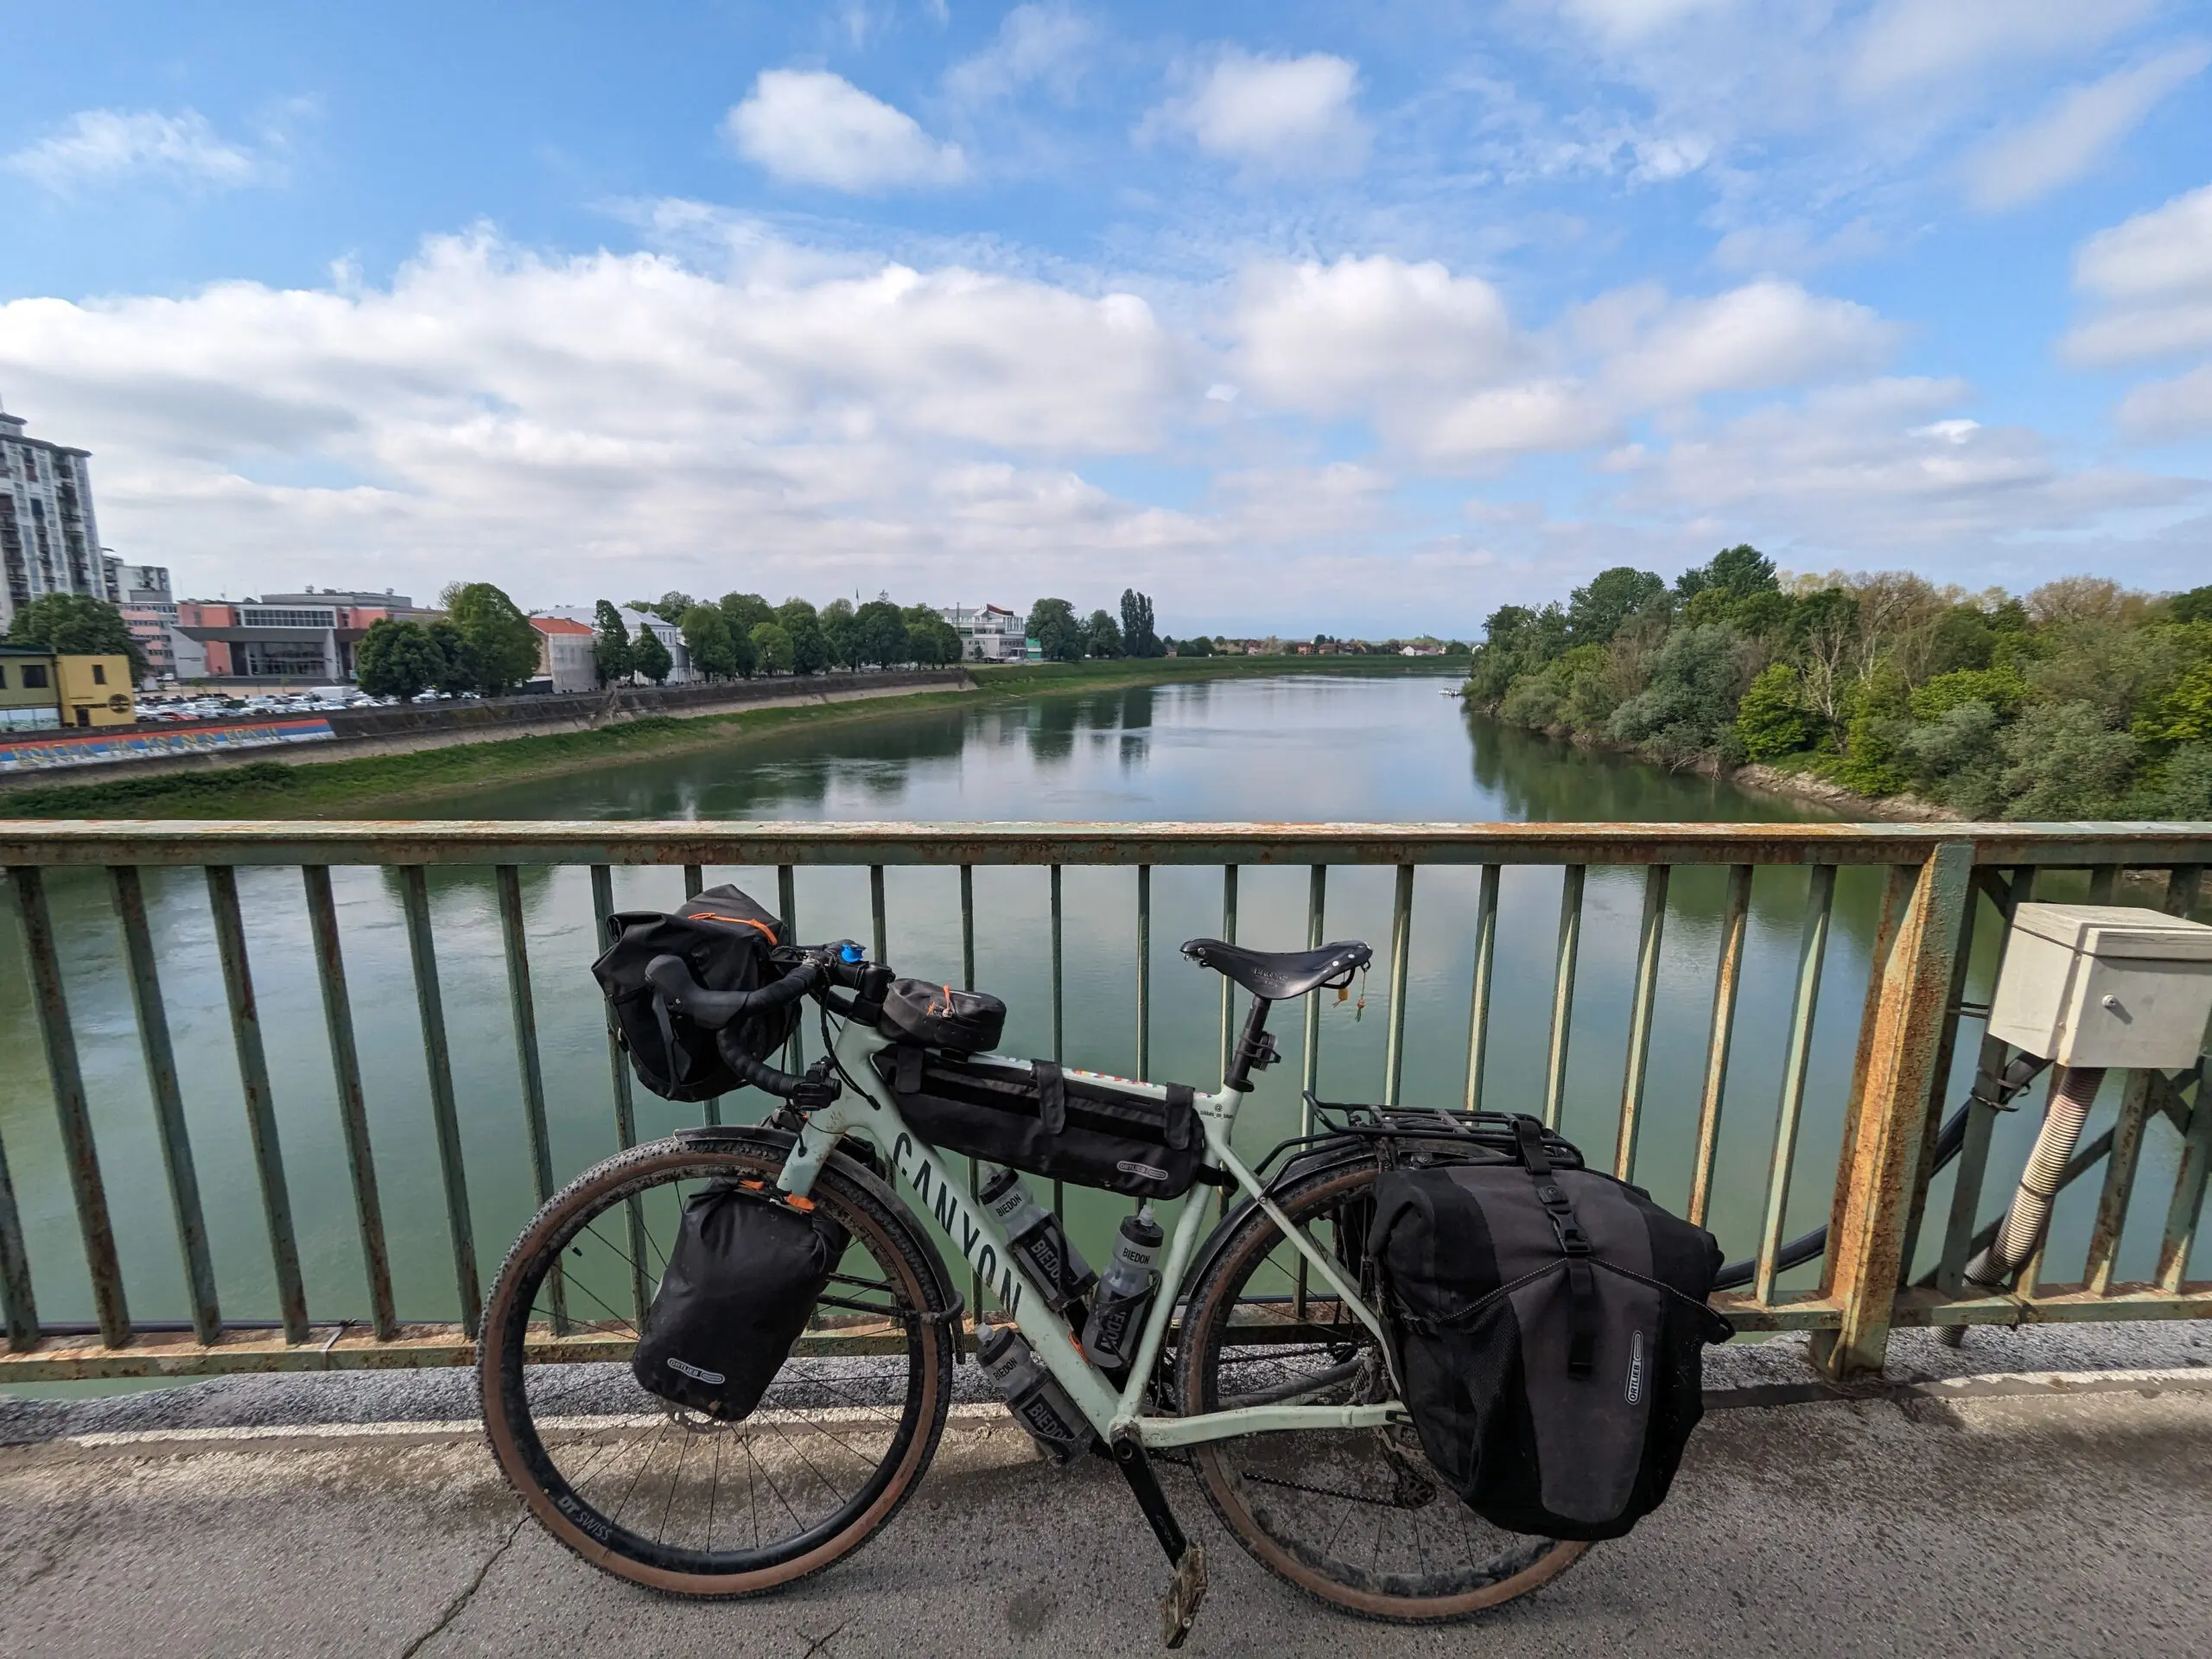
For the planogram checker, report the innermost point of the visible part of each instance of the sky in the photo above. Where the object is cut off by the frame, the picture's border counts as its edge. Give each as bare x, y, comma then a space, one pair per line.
1362, 319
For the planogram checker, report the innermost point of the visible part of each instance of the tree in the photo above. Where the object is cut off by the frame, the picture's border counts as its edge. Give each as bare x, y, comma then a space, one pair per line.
745, 612
930, 640
2195, 606
1595, 613
610, 653
1740, 572
456, 657
671, 606
1200, 646
77, 625
397, 660
706, 636
1689, 709
879, 633
1057, 634
649, 655
771, 648
1102, 635
809, 649
1772, 720
1138, 639
838, 632
502, 643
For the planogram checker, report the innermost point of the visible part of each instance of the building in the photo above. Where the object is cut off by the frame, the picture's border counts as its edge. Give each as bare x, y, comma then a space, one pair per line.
991, 635
142, 593
565, 663
39, 689
49, 540
307, 638
670, 634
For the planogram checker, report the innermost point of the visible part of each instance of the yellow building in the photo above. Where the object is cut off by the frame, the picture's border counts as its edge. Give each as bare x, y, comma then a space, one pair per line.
95, 691
28, 695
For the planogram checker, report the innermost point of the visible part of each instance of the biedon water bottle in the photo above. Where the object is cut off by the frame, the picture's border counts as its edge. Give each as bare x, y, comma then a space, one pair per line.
1038, 1403
1116, 1322
1040, 1246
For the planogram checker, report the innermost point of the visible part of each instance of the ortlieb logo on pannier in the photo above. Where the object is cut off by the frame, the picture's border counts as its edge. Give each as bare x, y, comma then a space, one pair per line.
1549, 1327
729, 943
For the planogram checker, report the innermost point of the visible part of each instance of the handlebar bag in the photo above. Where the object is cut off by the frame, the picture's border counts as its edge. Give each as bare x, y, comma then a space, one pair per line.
1033, 1116
730, 943
1548, 1327
743, 1276
937, 1016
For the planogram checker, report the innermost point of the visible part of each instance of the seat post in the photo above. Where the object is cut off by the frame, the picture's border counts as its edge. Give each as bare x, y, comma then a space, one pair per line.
1250, 1048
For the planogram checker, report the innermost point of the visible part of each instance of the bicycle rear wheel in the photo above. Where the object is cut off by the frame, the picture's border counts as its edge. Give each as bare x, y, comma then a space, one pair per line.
669, 1499
1355, 1517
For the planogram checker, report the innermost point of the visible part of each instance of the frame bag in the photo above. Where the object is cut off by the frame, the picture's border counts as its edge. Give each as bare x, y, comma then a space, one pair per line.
937, 1016
742, 1279
1036, 1118
1548, 1327
729, 943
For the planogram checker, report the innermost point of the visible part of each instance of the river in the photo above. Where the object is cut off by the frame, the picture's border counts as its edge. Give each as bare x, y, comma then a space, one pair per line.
1303, 748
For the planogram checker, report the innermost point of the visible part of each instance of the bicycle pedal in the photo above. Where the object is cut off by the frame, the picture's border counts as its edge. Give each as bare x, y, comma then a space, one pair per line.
1179, 1608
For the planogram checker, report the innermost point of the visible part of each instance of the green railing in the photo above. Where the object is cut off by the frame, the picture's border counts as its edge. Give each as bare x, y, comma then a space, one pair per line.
1945, 894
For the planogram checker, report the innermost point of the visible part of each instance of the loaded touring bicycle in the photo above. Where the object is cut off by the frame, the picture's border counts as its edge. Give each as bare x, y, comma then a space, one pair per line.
1417, 1361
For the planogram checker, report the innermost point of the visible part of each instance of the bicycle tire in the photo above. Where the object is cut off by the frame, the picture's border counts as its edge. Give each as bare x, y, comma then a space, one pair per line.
1232, 1472
914, 1276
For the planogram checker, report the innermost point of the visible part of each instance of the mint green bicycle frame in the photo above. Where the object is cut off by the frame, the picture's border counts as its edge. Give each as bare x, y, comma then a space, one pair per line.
923, 1171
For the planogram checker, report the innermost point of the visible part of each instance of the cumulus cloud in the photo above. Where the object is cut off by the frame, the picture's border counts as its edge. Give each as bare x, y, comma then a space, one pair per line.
2152, 275
1763, 335
2075, 133
1272, 114
1048, 43
807, 126
95, 148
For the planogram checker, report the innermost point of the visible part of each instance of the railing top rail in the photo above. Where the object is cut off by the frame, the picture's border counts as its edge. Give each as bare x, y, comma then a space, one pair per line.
172, 842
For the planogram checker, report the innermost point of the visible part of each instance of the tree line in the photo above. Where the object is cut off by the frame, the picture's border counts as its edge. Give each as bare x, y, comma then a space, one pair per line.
1062, 637
2081, 699
741, 634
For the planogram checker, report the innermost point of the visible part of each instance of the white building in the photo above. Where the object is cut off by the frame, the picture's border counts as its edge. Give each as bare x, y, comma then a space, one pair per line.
670, 635
990, 635
49, 540
565, 658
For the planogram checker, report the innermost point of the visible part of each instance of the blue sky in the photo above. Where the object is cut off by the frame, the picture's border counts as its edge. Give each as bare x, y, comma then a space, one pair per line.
1363, 318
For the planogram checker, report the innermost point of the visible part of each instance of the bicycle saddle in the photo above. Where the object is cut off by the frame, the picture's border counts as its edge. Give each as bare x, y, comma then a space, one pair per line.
1277, 975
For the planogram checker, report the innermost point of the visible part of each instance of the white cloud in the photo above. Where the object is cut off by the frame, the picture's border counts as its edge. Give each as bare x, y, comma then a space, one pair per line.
1273, 115
104, 147
807, 126
2153, 273
2075, 133
1764, 333
1620, 24
1048, 43
2170, 409
1905, 44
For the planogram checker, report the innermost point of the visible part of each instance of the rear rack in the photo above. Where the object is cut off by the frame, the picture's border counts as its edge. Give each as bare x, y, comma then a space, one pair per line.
1488, 1132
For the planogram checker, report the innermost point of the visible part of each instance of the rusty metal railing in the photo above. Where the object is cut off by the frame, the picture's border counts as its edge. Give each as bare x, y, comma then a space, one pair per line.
1941, 884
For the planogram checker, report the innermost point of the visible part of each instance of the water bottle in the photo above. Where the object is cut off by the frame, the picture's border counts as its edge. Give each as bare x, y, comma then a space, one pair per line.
1038, 1403
1116, 1322
1039, 1245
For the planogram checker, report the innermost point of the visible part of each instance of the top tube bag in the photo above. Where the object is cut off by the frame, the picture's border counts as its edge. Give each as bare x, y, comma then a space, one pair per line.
730, 943
1036, 1118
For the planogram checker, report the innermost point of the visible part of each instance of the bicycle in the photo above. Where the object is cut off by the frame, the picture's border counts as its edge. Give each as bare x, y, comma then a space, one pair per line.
1262, 1358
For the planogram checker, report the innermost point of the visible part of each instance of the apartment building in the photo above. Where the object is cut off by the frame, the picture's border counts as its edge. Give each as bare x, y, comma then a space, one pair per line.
565, 663
50, 539
150, 612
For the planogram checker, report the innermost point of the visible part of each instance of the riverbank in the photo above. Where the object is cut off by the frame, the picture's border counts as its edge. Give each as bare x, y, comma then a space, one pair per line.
377, 784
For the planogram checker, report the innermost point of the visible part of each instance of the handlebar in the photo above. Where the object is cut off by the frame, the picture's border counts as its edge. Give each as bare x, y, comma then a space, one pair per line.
671, 977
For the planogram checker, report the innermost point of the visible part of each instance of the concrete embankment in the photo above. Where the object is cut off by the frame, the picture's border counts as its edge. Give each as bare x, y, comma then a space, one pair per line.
2038, 1514
370, 732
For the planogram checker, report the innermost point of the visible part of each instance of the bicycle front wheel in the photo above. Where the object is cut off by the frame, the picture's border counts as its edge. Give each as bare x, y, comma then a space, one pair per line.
1355, 1517
670, 1498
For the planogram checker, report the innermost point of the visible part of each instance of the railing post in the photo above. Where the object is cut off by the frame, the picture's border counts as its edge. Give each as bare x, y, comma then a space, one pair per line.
1865, 1240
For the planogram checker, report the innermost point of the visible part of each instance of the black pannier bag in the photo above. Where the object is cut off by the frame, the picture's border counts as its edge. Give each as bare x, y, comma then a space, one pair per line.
728, 942
742, 1279
1035, 1118
937, 1016
1550, 1326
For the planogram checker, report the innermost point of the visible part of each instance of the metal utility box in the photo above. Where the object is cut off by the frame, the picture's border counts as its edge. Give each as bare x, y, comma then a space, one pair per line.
2089, 985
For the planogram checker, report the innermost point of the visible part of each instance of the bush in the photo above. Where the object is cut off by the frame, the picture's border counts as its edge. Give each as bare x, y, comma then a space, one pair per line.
2001, 689
1772, 721
2179, 787
2067, 763
1958, 759
1688, 712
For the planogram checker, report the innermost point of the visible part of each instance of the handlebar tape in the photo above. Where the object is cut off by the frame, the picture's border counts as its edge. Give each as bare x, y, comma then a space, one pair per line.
672, 978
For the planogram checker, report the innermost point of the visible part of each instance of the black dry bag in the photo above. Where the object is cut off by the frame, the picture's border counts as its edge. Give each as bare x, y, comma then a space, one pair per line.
1549, 1327
729, 943
742, 1279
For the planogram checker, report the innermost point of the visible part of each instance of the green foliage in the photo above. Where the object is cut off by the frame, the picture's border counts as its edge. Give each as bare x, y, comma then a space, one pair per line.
706, 636
1688, 711
77, 625
1138, 637
2067, 763
1102, 636
839, 632
1053, 624
397, 658
1596, 612
879, 634
650, 655
456, 658
2183, 714
1956, 758
931, 641
2001, 689
810, 645
502, 646
2177, 787
771, 648
1738, 571
610, 651
745, 612
1772, 721
1873, 757
2195, 606
1200, 646
670, 607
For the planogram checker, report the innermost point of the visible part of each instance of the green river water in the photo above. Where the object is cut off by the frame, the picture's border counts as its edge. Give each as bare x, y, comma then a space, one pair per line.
1302, 747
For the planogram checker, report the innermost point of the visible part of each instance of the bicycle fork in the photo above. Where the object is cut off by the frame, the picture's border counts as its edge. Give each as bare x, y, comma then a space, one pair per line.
1179, 1608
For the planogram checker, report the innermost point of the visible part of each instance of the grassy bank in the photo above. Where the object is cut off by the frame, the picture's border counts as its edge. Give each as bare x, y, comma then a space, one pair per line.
373, 785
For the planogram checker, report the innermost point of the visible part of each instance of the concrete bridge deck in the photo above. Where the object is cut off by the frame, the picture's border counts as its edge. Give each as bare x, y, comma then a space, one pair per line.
2047, 1492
